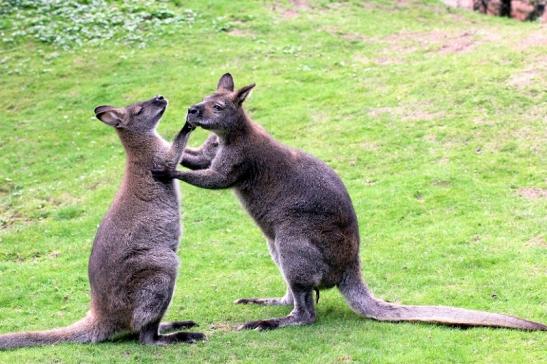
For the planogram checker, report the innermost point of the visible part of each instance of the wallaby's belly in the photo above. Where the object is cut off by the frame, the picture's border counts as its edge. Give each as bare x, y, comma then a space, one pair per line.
137, 238
308, 202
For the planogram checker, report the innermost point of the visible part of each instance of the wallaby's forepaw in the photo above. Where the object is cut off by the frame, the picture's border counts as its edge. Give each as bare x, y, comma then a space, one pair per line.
259, 325
162, 174
188, 127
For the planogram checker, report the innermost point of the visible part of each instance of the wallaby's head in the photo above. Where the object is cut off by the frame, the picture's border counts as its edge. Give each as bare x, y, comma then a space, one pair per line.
222, 111
141, 117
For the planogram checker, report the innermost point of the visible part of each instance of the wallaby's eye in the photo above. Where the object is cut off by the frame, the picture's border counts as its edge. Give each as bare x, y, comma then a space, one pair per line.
139, 110
218, 107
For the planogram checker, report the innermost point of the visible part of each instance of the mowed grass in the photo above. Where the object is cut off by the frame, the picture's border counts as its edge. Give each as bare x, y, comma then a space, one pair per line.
435, 119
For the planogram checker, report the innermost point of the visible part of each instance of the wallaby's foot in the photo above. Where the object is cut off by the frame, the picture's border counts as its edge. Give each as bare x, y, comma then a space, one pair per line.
263, 301
178, 337
286, 300
275, 323
303, 312
149, 336
166, 327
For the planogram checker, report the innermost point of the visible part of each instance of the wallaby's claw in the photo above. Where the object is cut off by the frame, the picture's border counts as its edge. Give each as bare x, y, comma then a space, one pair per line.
259, 325
193, 337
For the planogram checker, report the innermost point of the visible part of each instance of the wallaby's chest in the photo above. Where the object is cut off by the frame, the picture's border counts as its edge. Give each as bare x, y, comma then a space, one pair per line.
260, 206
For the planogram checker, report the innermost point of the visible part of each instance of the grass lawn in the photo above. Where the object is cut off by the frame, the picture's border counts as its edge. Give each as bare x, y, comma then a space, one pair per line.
435, 119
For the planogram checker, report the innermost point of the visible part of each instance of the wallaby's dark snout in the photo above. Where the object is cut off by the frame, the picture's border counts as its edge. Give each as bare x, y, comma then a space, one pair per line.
198, 115
160, 101
194, 116
194, 110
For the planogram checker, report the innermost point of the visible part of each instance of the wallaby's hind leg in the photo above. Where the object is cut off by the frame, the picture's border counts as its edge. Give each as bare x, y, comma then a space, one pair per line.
287, 299
151, 302
302, 267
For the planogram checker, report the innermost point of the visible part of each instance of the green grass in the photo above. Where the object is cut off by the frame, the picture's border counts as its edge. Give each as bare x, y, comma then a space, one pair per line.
435, 119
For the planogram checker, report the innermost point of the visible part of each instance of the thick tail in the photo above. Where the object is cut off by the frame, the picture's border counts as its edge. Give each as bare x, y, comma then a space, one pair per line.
84, 331
364, 303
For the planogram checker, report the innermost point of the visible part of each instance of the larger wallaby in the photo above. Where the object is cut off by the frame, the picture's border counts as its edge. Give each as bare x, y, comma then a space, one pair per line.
306, 214
133, 263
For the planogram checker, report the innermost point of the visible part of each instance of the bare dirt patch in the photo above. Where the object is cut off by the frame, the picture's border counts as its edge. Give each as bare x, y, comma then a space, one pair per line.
535, 39
535, 73
369, 146
461, 43
537, 242
223, 327
523, 79
300, 4
396, 47
436, 41
294, 10
241, 33
532, 193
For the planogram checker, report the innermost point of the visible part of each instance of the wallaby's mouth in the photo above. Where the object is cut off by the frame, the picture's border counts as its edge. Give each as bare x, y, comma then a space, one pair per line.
191, 122
195, 123
162, 110
161, 103
191, 119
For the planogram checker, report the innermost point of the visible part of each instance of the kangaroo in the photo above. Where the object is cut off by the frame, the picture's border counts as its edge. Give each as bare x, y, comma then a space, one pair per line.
306, 214
133, 263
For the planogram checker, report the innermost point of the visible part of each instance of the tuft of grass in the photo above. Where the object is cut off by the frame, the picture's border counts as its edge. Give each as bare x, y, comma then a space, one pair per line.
434, 119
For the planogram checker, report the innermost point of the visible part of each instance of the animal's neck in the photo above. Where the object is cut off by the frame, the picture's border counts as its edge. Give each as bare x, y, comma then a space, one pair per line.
141, 152
139, 147
246, 129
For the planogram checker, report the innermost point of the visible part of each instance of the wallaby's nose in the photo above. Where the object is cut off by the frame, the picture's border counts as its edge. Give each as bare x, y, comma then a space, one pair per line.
193, 110
159, 98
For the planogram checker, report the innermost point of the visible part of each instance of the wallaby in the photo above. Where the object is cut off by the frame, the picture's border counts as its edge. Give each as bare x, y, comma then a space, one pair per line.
133, 263
306, 214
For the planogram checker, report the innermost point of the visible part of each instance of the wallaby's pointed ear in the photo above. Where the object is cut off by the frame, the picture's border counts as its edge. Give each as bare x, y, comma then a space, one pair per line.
243, 92
112, 116
226, 82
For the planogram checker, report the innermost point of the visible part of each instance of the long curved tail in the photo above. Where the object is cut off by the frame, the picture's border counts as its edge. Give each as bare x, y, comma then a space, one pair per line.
84, 331
364, 303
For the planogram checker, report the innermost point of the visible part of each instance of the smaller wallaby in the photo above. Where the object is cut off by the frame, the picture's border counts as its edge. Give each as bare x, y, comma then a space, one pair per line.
306, 214
133, 263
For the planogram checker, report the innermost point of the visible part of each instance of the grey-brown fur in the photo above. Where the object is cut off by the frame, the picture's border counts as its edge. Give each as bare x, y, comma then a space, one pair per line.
133, 263
306, 214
